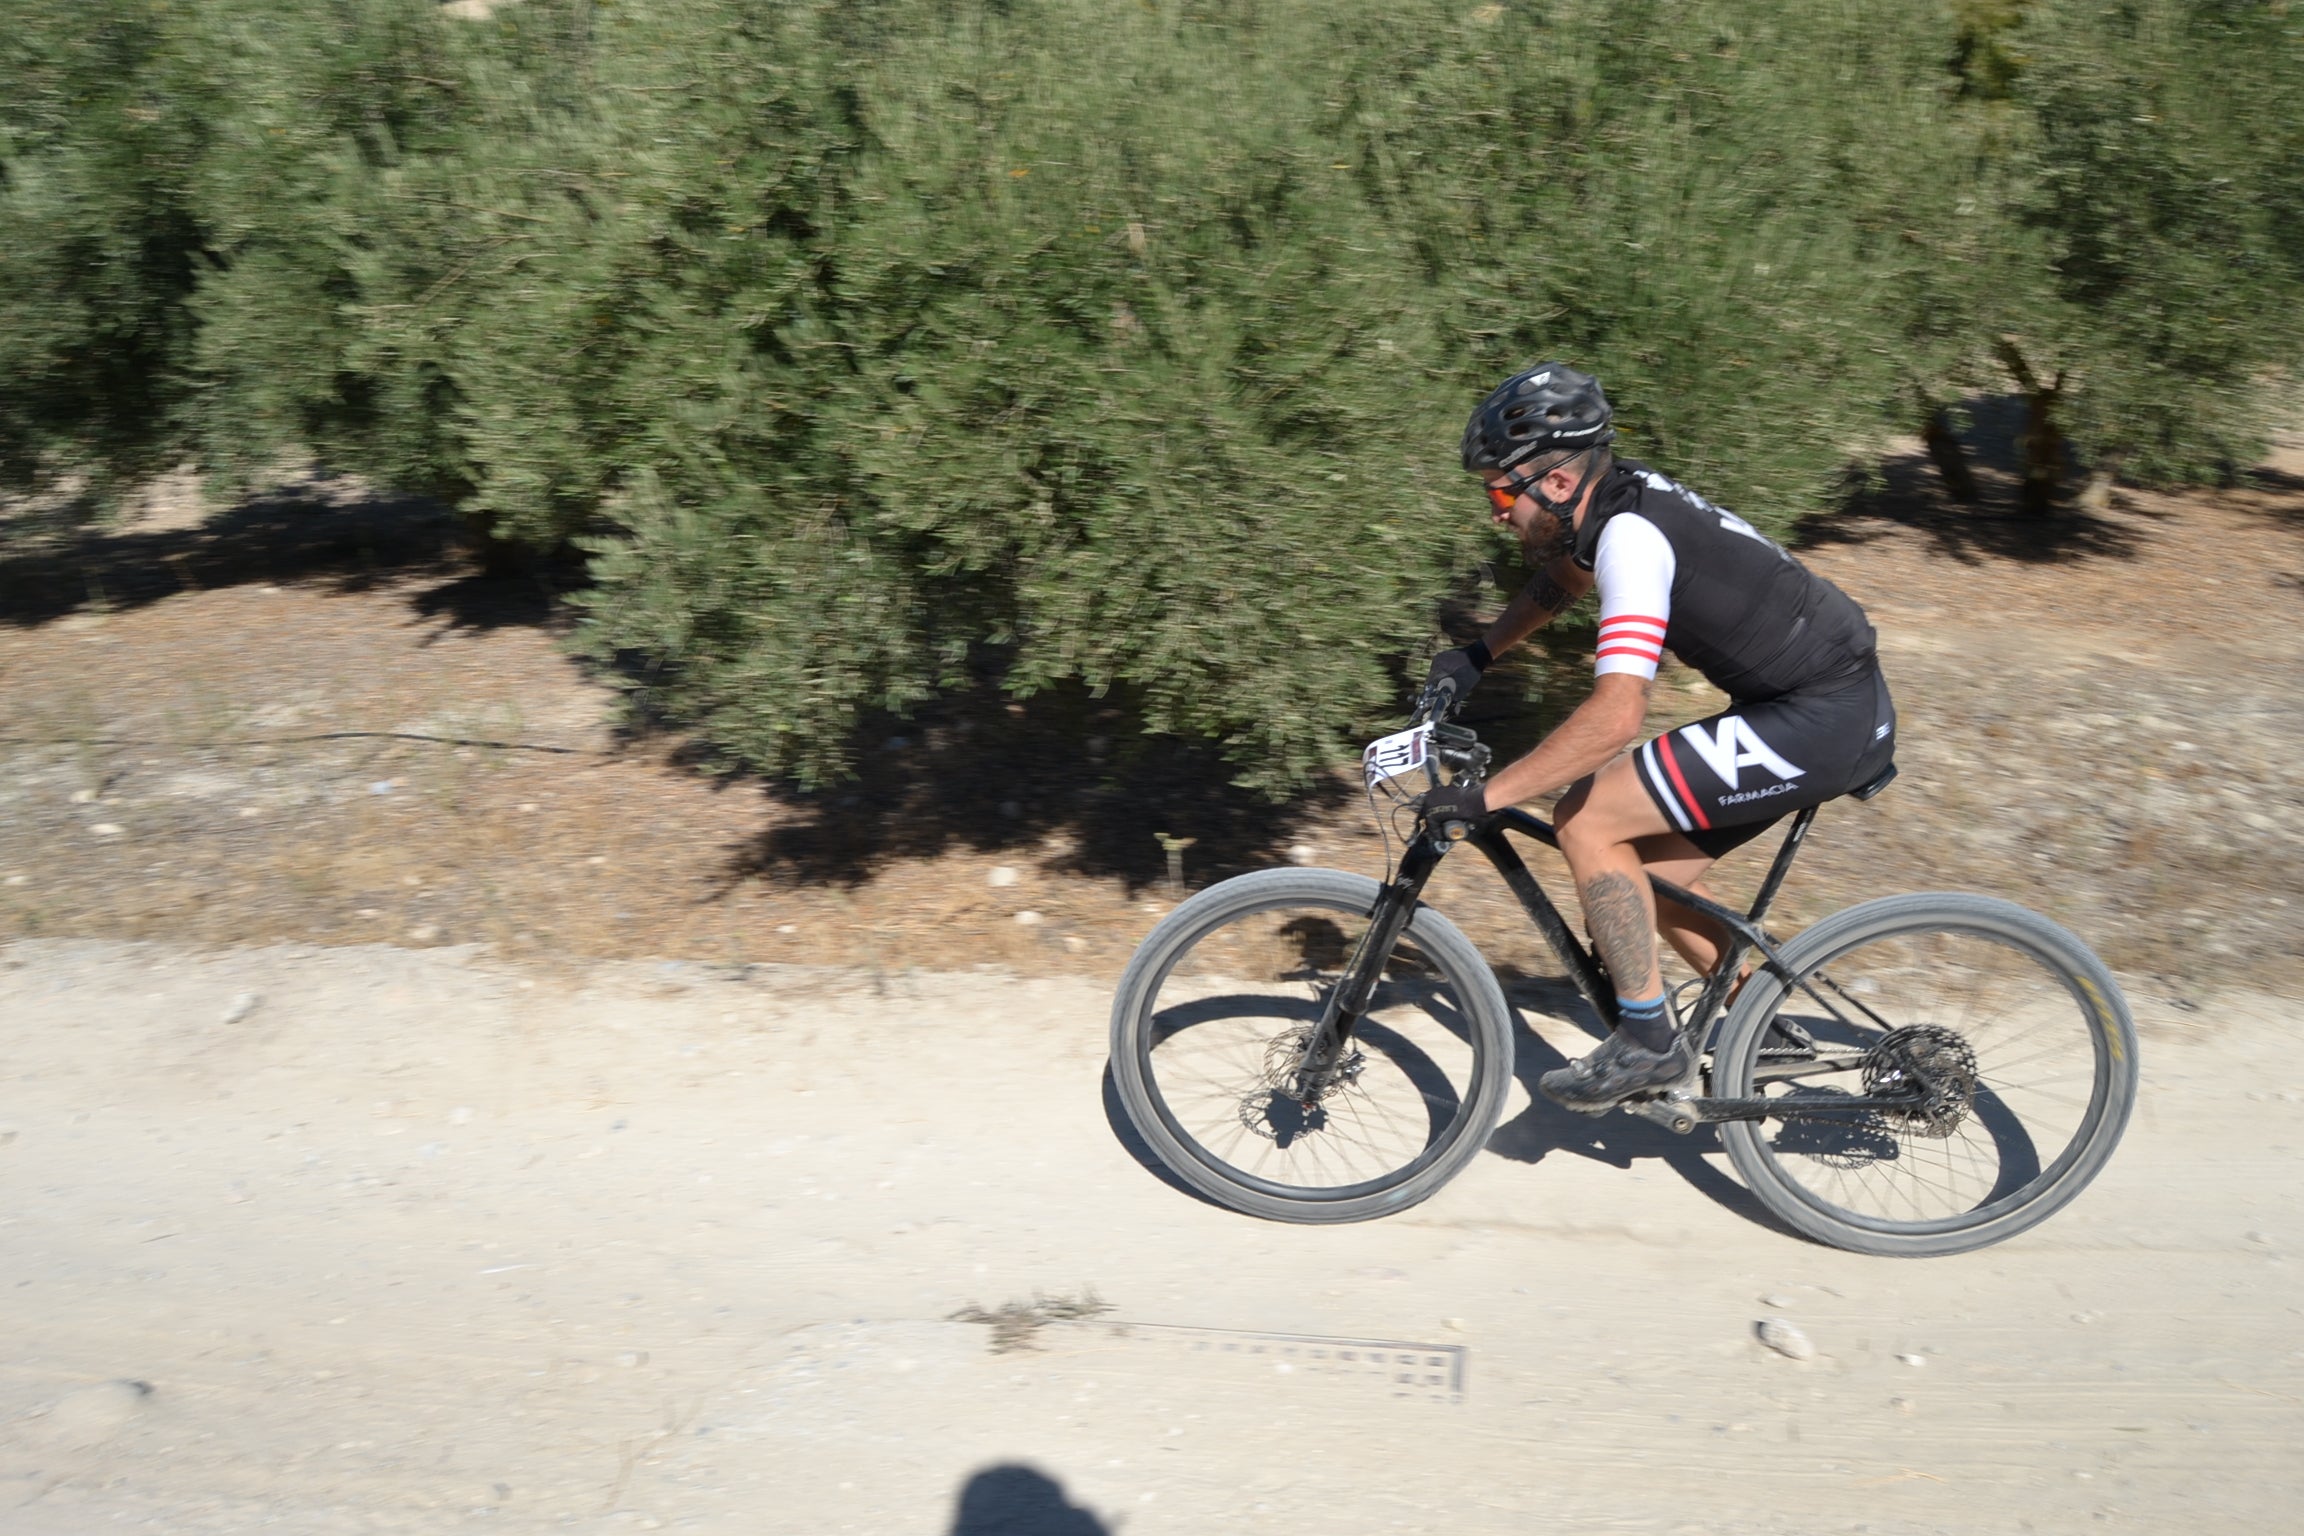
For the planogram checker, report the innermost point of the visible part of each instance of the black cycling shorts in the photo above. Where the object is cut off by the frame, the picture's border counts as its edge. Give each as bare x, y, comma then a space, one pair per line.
1722, 782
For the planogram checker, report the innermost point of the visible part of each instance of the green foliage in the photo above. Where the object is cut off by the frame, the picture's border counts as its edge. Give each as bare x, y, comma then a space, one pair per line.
871, 346
2163, 179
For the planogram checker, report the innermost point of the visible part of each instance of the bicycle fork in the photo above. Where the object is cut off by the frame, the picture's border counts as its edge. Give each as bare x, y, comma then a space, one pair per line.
1328, 1047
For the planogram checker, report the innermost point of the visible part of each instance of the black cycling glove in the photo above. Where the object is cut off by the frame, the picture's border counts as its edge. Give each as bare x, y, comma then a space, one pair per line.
1454, 674
1461, 801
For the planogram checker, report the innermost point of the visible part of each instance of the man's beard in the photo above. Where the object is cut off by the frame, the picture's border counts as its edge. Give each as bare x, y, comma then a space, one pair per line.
1545, 541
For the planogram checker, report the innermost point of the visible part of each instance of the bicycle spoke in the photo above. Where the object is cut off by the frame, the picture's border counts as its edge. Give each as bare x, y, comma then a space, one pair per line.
1232, 1024
2028, 1097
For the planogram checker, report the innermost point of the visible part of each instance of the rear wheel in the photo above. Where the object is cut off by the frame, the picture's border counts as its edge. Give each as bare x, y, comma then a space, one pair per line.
2002, 1044
1209, 1031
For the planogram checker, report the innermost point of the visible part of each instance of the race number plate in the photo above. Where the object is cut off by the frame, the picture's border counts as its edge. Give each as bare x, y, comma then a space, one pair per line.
1395, 755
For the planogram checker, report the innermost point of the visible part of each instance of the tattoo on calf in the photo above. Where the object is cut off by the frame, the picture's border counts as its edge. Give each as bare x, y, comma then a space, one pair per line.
1622, 930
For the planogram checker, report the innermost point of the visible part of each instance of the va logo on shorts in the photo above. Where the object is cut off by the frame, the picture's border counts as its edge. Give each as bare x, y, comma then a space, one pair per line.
1736, 746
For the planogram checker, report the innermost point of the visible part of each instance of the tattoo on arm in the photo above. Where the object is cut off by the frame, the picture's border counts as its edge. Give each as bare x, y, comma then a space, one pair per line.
1622, 928
1548, 594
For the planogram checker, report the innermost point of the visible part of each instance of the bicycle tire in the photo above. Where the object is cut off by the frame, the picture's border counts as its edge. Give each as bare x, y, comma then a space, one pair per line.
1807, 1169
1459, 1122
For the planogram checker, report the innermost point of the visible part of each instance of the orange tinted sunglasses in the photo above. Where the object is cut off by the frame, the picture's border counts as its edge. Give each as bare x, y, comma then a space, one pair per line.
1502, 496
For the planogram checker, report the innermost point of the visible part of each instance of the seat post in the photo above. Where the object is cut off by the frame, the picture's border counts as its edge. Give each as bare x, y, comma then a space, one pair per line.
1783, 865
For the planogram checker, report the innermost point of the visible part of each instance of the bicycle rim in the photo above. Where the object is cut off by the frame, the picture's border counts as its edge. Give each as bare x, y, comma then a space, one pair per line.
1228, 1021
2028, 1064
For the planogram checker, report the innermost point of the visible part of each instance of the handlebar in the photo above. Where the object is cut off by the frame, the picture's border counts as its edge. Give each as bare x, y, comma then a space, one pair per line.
1454, 747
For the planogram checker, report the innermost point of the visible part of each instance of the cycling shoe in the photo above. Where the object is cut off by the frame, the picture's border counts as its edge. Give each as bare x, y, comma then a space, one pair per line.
1619, 1069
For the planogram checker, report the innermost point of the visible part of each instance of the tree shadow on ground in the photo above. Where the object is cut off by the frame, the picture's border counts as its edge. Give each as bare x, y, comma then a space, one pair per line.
316, 532
1909, 494
1075, 780
1079, 784
1017, 1500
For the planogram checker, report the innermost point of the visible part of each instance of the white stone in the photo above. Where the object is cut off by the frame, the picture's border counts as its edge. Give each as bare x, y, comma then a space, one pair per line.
1002, 874
1028, 919
106, 829
1911, 1359
424, 933
242, 1005
1303, 853
1785, 1339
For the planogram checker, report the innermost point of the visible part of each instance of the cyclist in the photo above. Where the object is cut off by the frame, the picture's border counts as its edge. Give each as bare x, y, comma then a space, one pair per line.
1809, 718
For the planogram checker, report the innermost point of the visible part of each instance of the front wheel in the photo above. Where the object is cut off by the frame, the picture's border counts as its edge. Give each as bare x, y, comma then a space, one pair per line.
1210, 1025
1949, 1071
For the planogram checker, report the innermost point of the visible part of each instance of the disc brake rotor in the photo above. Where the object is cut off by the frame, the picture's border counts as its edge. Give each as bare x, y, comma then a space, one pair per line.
1931, 1064
1281, 1108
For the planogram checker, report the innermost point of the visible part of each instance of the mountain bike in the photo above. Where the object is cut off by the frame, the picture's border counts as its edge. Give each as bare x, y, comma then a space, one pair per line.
1912, 1076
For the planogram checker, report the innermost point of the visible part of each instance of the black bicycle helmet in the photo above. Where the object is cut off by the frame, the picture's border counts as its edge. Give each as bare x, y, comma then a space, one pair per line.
1546, 407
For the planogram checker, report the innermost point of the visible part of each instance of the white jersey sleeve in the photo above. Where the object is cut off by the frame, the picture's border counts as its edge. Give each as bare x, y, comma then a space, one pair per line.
1634, 567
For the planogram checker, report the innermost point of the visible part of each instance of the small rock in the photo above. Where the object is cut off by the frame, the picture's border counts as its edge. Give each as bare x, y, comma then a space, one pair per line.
1029, 919
787, 927
106, 829
1785, 1339
632, 1358
1303, 853
242, 1005
83, 797
249, 810
1900, 1404
1075, 944
1911, 1359
527, 805
1001, 875
19, 879
424, 933
381, 787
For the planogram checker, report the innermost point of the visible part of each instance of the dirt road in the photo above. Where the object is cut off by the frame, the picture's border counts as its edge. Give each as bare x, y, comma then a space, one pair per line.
383, 1240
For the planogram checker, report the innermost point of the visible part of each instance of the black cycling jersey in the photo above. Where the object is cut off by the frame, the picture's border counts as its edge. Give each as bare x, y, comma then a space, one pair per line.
1677, 572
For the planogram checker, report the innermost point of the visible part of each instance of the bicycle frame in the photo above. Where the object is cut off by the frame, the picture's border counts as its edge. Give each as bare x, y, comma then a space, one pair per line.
1743, 928
1398, 903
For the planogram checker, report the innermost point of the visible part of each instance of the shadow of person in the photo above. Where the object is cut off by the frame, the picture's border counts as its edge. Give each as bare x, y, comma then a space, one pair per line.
1015, 1500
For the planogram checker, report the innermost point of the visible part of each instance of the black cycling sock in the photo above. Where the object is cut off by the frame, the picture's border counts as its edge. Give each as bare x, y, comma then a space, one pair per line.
1646, 1020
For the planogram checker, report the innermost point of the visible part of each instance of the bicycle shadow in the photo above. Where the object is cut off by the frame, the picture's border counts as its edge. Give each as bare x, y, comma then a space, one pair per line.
1537, 1132
1616, 1138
